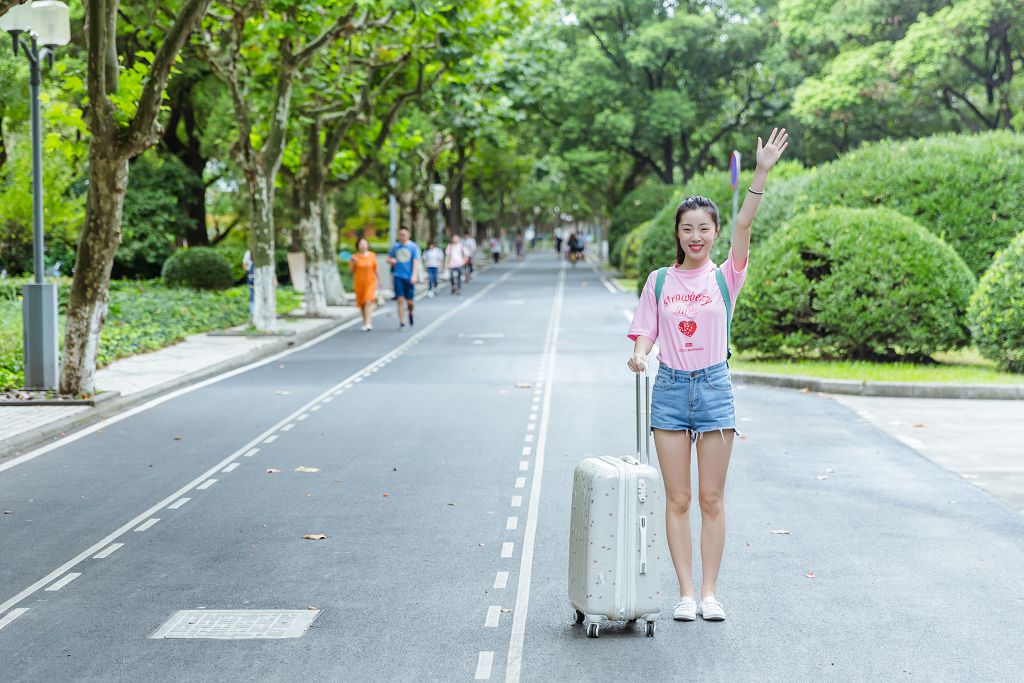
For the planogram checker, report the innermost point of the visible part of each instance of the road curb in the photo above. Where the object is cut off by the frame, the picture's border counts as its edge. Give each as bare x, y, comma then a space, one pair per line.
33, 438
1003, 392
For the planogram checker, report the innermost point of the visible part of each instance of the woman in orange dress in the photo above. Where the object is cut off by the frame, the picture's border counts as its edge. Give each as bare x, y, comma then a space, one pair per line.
363, 265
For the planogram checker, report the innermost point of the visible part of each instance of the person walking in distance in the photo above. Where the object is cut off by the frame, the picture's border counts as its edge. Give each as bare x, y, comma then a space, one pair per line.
688, 307
363, 265
520, 246
433, 259
404, 256
469, 243
455, 260
495, 245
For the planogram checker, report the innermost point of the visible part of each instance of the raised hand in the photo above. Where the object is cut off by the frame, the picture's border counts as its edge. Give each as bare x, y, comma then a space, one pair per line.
769, 153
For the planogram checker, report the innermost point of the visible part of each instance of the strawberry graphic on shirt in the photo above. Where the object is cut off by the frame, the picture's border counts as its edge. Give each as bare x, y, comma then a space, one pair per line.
688, 327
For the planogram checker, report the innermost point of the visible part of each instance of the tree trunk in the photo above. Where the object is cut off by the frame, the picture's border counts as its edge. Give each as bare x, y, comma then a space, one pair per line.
333, 286
264, 314
97, 244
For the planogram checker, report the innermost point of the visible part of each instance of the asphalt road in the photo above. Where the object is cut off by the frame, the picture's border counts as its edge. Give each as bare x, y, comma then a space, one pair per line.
444, 458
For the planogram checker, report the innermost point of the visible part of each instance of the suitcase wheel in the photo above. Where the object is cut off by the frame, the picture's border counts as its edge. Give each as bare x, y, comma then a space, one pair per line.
651, 628
593, 630
579, 616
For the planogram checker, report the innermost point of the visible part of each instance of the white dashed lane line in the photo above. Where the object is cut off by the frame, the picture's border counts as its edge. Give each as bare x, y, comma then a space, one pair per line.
178, 503
270, 439
517, 501
251, 452
288, 427
493, 616
110, 550
147, 524
57, 585
527, 450
512, 524
507, 548
232, 467
520, 482
206, 484
501, 580
483, 664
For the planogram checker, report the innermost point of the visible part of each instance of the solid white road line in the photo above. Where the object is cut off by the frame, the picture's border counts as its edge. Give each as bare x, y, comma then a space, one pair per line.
501, 580
507, 548
511, 523
251, 452
15, 613
206, 484
63, 582
517, 501
514, 664
108, 552
147, 524
166, 502
609, 286
232, 467
483, 664
493, 615
178, 503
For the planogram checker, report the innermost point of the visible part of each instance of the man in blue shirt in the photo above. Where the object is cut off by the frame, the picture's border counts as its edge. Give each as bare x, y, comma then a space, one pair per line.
404, 257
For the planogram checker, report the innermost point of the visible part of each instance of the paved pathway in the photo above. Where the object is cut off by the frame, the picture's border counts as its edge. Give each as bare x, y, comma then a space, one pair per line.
444, 460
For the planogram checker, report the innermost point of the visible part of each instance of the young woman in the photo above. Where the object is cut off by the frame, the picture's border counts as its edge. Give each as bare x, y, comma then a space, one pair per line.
363, 265
693, 398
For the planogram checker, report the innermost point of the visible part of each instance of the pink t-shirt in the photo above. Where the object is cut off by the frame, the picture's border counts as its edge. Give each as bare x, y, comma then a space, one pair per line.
691, 315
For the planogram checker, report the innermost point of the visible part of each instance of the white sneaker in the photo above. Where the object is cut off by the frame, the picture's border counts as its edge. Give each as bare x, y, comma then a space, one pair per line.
365, 328
685, 609
711, 609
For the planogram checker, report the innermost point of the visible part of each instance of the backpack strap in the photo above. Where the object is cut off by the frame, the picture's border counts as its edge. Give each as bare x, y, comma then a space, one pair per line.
720, 277
659, 283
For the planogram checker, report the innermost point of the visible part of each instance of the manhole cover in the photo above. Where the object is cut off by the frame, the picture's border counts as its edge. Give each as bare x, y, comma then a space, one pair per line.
237, 624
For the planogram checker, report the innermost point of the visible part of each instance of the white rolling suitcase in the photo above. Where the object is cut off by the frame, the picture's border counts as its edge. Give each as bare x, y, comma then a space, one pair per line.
615, 536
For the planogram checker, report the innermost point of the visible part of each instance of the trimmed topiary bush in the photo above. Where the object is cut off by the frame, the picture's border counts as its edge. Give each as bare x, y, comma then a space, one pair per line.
635, 208
996, 312
863, 284
629, 250
198, 268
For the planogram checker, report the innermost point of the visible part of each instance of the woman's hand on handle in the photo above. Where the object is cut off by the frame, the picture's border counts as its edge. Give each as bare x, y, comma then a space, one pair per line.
638, 361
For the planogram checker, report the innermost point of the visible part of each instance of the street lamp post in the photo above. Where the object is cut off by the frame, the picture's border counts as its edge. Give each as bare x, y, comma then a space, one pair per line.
437, 190
46, 23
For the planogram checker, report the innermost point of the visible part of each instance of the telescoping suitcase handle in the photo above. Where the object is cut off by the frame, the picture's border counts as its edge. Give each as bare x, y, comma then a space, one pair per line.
643, 418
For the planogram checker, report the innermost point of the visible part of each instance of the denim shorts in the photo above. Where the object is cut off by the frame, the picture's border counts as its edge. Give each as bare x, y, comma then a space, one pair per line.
695, 401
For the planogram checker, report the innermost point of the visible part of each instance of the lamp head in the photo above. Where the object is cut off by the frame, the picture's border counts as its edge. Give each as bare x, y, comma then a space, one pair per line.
51, 22
18, 19
437, 190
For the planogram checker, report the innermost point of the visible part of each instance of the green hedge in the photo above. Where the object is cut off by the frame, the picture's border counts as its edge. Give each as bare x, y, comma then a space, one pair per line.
862, 284
964, 188
996, 312
629, 250
635, 208
198, 268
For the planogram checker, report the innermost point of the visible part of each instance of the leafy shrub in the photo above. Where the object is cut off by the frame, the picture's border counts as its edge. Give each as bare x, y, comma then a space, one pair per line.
635, 208
863, 284
996, 312
629, 250
198, 268
963, 188
155, 216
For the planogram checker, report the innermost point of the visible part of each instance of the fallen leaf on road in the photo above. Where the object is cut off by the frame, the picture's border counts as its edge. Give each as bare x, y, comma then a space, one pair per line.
309, 606
282, 393
315, 537
453, 504
822, 477
505, 609
523, 385
829, 470
805, 390
307, 469
272, 470
809, 575
386, 495
780, 532
178, 438
917, 425
8, 512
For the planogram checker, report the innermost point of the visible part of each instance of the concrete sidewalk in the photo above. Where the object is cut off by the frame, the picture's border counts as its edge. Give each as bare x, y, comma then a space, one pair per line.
133, 380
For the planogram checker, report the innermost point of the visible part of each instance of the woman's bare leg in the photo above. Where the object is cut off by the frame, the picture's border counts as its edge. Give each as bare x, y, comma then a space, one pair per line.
713, 452
674, 458
368, 313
